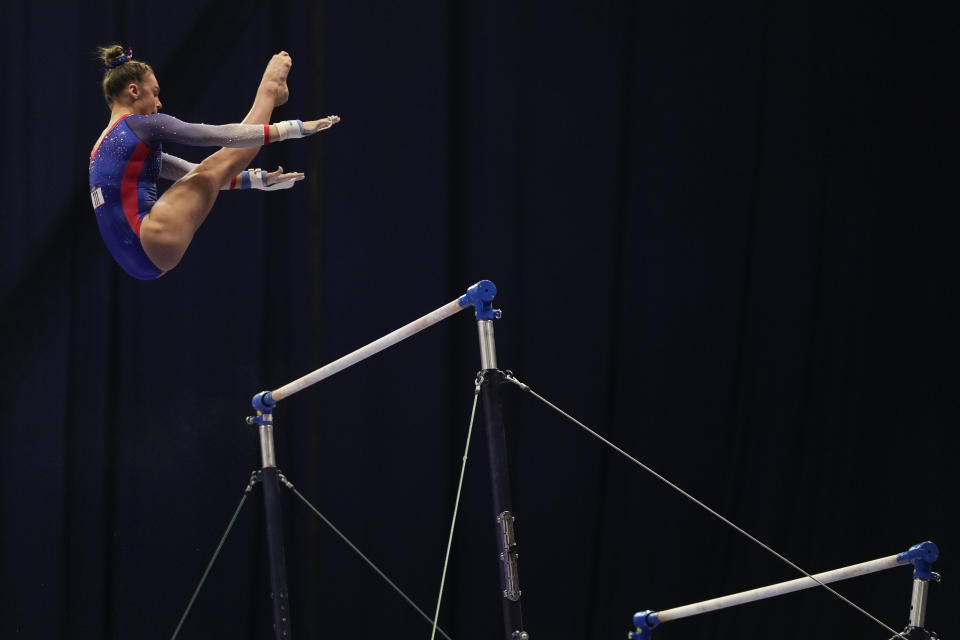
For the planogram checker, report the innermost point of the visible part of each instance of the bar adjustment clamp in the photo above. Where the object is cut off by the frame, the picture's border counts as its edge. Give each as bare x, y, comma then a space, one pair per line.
645, 622
922, 556
480, 296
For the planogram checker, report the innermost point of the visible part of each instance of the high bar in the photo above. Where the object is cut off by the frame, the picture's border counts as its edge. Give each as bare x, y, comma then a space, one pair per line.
479, 296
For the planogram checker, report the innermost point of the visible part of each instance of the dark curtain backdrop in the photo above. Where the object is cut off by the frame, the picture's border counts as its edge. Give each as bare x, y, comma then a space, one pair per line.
723, 234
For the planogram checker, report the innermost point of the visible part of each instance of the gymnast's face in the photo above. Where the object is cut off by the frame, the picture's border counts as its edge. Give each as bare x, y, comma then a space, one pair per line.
146, 95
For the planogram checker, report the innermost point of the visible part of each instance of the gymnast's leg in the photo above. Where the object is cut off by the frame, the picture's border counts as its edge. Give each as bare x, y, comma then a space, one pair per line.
168, 229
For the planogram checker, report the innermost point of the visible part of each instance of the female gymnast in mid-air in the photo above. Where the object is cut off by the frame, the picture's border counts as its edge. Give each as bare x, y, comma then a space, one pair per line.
148, 236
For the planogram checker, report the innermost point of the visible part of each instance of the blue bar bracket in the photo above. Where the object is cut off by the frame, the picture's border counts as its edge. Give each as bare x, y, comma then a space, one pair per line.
922, 556
645, 622
480, 297
264, 403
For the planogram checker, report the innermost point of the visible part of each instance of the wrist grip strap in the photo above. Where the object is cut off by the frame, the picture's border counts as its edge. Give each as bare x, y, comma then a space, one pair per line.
289, 129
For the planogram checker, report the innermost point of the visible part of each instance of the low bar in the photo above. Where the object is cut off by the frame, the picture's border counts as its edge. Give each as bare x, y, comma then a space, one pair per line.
781, 588
476, 296
920, 555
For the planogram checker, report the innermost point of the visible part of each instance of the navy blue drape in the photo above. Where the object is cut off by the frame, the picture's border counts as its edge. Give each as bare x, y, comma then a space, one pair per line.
724, 235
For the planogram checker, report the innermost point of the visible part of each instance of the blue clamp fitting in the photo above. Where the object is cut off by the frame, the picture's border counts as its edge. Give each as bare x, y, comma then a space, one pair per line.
264, 402
480, 297
261, 419
644, 621
922, 556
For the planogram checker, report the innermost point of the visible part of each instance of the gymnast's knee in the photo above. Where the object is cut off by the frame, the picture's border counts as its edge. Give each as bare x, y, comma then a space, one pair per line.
206, 176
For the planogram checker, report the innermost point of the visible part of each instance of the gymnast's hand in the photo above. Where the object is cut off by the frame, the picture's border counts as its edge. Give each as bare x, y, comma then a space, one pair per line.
316, 126
273, 180
278, 176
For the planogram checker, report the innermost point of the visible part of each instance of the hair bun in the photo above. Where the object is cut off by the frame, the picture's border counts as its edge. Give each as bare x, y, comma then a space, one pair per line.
114, 55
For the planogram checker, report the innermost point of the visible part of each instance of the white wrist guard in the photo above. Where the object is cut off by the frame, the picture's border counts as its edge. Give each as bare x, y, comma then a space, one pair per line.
257, 179
289, 129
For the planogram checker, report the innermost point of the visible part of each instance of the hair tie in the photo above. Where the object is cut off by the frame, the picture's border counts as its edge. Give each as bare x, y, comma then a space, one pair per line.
119, 61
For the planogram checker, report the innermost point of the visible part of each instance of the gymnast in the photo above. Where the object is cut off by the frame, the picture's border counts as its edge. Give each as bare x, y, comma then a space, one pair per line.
148, 236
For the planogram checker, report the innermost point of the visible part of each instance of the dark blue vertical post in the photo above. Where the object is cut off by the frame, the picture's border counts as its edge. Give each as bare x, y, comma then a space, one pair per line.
502, 508
278, 565
264, 404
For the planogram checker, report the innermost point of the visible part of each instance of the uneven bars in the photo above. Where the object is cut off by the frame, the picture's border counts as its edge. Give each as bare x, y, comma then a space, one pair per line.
479, 296
921, 555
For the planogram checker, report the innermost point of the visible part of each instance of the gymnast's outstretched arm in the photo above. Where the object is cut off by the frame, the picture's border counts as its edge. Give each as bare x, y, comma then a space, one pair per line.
174, 168
161, 128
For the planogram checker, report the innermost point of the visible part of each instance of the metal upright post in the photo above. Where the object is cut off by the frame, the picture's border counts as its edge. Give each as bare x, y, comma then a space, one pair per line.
918, 602
271, 499
481, 296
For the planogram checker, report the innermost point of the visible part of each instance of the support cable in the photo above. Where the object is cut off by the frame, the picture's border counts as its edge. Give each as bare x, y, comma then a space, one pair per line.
456, 503
254, 478
356, 550
524, 387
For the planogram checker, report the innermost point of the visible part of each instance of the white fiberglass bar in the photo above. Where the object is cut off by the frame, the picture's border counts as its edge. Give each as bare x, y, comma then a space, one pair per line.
365, 352
780, 588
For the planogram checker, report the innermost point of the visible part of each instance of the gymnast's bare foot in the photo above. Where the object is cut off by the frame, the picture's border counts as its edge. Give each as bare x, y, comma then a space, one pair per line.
274, 81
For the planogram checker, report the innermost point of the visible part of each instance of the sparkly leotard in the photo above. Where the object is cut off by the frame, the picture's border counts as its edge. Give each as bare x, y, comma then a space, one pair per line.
126, 166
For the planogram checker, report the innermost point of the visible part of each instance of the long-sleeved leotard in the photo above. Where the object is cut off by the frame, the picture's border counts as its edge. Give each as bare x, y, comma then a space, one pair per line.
126, 165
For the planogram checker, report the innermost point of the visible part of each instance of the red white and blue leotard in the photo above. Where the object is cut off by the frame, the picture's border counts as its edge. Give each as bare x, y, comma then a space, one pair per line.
127, 164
